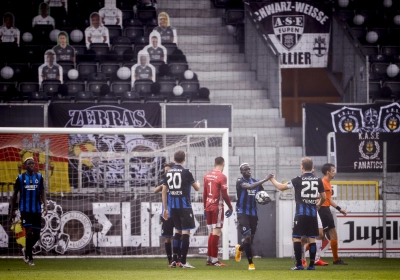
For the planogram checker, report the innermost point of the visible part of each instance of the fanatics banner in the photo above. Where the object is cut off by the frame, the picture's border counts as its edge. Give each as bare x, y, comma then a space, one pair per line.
321, 119
300, 31
363, 151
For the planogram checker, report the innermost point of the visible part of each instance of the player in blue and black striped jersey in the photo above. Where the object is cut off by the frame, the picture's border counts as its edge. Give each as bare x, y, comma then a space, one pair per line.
32, 194
306, 190
179, 182
246, 209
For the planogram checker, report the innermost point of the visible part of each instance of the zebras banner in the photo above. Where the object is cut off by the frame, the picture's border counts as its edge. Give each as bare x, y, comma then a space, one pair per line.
320, 119
363, 151
300, 31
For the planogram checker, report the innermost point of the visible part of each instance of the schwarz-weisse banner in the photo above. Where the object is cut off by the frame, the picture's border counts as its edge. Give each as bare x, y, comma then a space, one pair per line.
300, 31
363, 151
108, 116
321, 119
120, 225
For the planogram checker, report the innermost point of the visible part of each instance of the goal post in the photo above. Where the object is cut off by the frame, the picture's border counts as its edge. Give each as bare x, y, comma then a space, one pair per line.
113, 171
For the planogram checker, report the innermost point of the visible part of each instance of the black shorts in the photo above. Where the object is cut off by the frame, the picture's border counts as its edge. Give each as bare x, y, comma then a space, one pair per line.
247, 223
326, 218
183, 219
167, 227
33, 220
305, 226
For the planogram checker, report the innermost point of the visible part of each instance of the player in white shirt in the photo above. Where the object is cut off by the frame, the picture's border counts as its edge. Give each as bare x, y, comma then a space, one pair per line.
9, 33
155, 49
50, 70
143, 70
110, 14
44, 16
96, 32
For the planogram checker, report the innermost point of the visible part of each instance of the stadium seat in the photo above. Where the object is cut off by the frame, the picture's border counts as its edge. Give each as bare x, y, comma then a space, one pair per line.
129, 57
32, 53
127, 15
11, 50
101, 50
114, 31
86, 68
109, 68
75, 87
132, 22
85, 97
390, 50
50, 86
220, 3
378, 71
146, 15
374, 89
171, 47
40, 34
133, 32
190, 87
167, 86
233, 16
157, 64
66, 66
28, 87
80, 52
95, 86
21, 70
108, 98
120, 87
38, 97
177, 69
202, 97
131, 97
394, 86
120, 49
4, 86
143, 86
121, 40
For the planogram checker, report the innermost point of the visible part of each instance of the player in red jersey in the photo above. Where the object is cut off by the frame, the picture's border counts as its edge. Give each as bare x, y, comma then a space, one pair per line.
214, 195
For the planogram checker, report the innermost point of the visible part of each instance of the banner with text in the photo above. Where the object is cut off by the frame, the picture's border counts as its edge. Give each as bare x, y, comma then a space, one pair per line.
321, 119
300, 31
363, 151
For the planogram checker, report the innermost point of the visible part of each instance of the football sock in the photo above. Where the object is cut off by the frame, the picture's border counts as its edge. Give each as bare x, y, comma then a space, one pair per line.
214, 245
249, 253
209, 249
313, 250
185, 247
176, 245
29, 245
318, 243
334, 247
168, 251
297, 252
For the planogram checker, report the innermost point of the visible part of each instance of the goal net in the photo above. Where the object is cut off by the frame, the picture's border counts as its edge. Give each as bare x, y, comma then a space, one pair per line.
100, 187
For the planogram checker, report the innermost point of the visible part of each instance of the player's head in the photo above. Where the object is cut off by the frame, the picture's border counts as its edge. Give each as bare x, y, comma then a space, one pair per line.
163, 19
62, 38
154, 41
44, 9
49, 57
179, 156
307, 164
8, 20
329, 170
110, 4
95, 20
245, 170
219, 162
29, 163
168, 166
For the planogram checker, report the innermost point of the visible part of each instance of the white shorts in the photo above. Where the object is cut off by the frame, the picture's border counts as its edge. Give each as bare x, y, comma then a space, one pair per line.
319, 221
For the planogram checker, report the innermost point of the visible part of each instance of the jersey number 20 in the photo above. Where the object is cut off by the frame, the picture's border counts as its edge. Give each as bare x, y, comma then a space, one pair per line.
174, 180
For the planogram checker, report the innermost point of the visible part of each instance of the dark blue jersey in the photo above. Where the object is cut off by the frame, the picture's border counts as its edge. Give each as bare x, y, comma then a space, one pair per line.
246, 198
29, 188
306, 189
179, 181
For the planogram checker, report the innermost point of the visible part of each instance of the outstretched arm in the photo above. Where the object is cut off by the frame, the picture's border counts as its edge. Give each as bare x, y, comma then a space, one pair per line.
278, 185
165, 202
256, 184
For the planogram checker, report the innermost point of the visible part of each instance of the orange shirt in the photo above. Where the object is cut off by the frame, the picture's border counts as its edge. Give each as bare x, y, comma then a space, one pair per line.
328, 192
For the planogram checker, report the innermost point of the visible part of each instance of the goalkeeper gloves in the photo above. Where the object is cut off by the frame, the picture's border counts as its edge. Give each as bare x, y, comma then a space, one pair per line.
228, 213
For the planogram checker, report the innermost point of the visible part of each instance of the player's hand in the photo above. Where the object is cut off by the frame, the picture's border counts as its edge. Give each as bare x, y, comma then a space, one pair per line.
344, 212
205, 215
165, 215
228, 213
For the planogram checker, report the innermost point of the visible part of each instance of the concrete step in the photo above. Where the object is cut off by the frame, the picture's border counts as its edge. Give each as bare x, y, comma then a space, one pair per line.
256, 123
268, 151
248, 103
261, 113
197, 66
267, 141
182, 5
189, 48
215, 58
196, 13
270, 131
205, 39
184, 22
245, 93
204, 30
226, 75
232, 85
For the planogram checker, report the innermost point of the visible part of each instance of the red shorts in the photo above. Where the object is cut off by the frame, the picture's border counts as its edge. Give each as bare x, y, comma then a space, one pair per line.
215, 218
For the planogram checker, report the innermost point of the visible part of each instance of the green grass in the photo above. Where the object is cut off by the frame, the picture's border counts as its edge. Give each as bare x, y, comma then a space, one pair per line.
71, 269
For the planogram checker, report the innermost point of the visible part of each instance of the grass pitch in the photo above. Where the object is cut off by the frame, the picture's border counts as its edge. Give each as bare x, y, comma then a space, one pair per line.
95, 269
